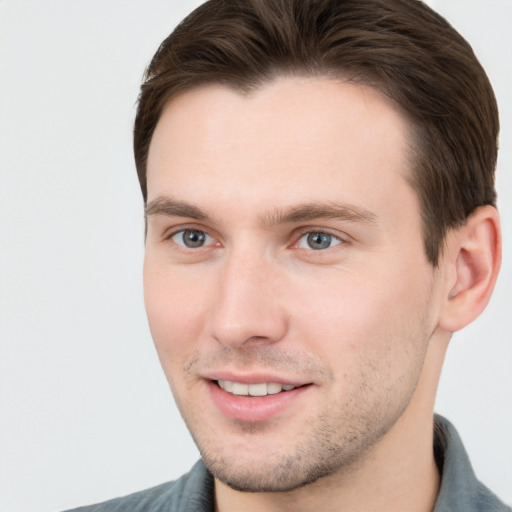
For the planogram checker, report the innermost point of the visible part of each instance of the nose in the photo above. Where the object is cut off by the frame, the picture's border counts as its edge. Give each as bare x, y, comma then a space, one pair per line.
248, 307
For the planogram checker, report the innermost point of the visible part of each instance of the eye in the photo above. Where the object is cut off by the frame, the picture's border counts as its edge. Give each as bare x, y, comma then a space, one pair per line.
317, 240
191, 238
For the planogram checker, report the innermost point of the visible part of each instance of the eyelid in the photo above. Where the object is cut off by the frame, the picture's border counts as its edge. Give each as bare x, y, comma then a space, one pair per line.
176, 239
169, 233
174, 230
341, 237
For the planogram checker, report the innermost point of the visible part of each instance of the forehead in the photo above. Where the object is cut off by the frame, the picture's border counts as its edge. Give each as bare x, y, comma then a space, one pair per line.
291, 138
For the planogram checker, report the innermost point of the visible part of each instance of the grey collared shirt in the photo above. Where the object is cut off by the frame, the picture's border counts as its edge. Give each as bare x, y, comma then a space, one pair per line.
460, 490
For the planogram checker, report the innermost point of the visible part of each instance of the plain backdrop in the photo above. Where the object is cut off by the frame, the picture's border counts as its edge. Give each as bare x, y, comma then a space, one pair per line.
85, 410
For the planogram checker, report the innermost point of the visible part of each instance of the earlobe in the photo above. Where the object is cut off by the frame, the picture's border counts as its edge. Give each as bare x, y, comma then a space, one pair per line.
473, 256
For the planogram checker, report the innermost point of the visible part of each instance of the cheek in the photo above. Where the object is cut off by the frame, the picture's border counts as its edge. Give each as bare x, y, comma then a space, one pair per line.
374, 348
174, 309
364, 315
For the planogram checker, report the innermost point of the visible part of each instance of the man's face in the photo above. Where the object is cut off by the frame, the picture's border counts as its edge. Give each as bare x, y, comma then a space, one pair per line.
284, 250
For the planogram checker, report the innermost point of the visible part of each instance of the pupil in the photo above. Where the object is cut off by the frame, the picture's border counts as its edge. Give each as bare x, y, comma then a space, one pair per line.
192, 238
319, 241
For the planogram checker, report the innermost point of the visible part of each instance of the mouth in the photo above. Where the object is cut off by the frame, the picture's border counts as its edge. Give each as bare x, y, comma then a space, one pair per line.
257, 401
259, 389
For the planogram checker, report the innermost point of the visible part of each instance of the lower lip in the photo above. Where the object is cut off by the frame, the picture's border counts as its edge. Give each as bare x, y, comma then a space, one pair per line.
253, 409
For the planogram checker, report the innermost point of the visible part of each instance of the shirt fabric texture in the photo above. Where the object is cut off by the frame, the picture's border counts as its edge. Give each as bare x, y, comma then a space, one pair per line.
460, 490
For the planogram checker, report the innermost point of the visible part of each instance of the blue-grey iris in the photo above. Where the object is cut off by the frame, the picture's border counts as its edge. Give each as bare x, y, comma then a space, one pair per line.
193, 238
318, 241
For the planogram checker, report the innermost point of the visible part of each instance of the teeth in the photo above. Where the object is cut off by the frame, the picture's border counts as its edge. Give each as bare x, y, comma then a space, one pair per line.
273, 389
263, 389
257, 389
240, 389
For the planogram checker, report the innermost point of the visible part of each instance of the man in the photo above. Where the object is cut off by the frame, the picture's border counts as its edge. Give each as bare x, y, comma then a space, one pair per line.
320, 208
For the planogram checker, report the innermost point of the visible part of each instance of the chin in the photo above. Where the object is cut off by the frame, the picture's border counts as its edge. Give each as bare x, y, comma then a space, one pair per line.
283, 477
277, 471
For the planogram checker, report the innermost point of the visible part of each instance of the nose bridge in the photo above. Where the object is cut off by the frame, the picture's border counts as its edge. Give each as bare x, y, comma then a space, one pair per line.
247, 306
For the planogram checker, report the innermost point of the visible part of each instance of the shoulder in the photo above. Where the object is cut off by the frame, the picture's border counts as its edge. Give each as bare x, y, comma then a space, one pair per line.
192, 492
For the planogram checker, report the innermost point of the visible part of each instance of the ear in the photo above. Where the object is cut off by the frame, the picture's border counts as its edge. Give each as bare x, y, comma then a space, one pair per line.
472, 259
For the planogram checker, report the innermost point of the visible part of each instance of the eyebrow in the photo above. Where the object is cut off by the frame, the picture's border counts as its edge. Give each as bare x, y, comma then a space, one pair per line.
313, 211
298, 213
173, 208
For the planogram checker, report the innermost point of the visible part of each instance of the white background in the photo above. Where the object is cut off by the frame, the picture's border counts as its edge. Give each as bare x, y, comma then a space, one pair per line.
85, 410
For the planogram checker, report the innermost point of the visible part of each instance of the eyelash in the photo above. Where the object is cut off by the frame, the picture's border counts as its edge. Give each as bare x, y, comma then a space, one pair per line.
182, 230
332, 237
302, 234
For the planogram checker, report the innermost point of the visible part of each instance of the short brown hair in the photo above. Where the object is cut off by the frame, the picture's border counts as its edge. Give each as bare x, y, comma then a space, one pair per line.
401, 47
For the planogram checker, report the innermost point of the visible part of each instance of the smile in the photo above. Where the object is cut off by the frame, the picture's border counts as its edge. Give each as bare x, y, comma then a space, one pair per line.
260, 389
258, 400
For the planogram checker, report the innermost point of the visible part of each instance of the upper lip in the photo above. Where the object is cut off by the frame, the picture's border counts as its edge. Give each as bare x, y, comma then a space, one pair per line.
254, 378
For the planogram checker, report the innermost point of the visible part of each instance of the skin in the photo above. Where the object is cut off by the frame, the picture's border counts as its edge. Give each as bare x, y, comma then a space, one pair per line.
363, 322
